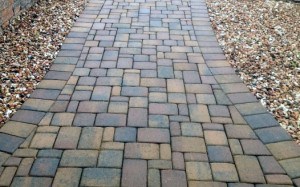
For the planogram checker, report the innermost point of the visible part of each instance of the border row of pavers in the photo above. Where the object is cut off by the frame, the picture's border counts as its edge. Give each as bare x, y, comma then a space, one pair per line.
266, 128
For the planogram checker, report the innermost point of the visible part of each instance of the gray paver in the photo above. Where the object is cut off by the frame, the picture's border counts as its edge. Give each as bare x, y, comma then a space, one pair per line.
125, 134
44, 167
100, 177
110, 158
32, 181
219, 154
52, 153
9, 143
79, 158
153, 177
28, 116
272, 135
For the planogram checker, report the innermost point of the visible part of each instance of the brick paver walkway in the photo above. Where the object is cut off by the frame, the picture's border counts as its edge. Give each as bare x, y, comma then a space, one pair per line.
141, 95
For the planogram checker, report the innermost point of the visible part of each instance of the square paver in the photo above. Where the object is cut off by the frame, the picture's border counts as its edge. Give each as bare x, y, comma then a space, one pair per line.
158, 121
224, 172
44, 167
175, 85
9, 143
165, 72
101, 93
131, 79
198, 171
90, 138
249, 169
270, 165
43, 140
219, 154
199, 113
215, 137
67, 138
291, 166
67, 177
138, 117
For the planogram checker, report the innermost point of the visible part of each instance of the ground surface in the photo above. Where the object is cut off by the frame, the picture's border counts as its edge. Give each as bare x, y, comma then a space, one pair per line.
28, 46
141, 94
262, 41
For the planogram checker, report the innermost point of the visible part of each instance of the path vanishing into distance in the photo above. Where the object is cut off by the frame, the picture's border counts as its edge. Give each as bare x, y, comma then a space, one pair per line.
141, 94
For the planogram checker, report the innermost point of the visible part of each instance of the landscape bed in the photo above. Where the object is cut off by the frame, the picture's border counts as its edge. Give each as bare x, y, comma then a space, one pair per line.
261, 40
28, 46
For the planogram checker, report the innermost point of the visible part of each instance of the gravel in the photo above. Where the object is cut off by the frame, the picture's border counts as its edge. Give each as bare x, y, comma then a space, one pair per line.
261, 39
28, 46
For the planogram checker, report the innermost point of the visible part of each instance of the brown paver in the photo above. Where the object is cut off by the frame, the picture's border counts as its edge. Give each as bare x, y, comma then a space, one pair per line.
141, 94
67, 138
224, 172
153, 135
67, 177
198, 171
249, 169
141, 151
188, 144
134, 173
173, 178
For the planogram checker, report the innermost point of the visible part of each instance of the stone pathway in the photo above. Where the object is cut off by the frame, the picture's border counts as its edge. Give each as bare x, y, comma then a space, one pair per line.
142, 95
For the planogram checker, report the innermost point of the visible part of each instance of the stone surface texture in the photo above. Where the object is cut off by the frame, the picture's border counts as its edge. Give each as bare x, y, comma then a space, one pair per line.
143, 107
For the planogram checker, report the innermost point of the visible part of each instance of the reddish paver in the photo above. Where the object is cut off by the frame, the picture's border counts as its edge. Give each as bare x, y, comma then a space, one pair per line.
141, 95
